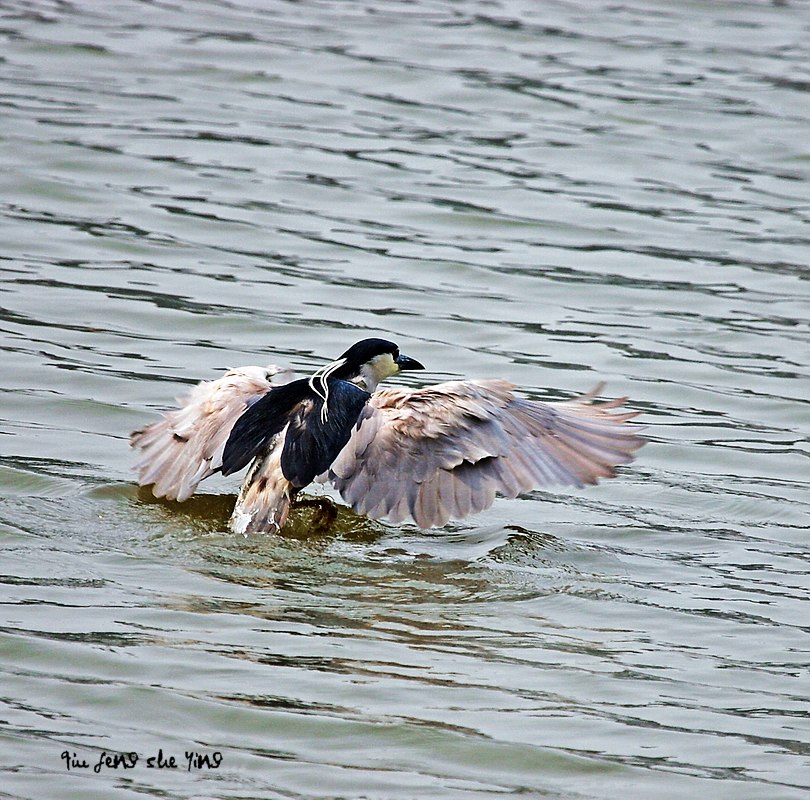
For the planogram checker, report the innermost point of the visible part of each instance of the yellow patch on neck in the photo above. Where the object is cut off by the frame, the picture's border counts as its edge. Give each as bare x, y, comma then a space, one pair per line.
378, 369
384, 366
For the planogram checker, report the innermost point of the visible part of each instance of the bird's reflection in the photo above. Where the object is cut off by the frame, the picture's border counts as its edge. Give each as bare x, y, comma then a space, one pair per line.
312, 518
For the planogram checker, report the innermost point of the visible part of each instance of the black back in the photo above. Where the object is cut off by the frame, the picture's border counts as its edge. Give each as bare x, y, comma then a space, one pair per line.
255, 429
311, 444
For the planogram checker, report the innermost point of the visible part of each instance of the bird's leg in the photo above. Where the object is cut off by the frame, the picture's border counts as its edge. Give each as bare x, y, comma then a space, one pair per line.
326, 512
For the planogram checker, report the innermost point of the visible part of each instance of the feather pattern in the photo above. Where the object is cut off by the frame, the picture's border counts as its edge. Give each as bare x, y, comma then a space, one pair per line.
444, 451
261, 422
313, 438
186, 446
266, 495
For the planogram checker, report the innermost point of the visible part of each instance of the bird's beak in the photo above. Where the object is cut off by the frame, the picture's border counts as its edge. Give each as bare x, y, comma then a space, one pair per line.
404, 362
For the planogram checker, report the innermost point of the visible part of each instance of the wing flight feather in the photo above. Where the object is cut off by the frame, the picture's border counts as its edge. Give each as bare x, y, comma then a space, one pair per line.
186, 446
444, 451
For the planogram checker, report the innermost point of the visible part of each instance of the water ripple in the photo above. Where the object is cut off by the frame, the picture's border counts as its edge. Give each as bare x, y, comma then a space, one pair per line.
553, 195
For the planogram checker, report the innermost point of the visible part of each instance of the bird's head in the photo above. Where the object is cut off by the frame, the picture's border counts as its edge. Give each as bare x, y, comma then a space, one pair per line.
370, 361
365, 364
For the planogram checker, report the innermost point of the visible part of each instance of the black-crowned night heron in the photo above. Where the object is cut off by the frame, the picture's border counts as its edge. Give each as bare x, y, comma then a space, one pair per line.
430, 454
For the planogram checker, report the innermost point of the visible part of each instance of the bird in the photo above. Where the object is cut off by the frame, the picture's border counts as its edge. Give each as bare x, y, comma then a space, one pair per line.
427, 454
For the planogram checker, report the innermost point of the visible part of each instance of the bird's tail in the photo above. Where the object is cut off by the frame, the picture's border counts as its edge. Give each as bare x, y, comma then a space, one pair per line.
264, 500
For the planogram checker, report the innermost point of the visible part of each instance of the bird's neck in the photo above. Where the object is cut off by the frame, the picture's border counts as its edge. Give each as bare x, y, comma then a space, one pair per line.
374, 371
367, 382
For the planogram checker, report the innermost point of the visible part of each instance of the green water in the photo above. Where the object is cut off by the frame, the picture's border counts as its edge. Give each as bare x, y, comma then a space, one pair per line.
556, 194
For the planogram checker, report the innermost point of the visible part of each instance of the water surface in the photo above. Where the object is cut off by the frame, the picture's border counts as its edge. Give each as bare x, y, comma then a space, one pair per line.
556, 194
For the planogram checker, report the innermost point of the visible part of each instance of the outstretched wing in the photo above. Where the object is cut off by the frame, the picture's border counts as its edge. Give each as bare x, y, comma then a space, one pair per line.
186, 446
443, 452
